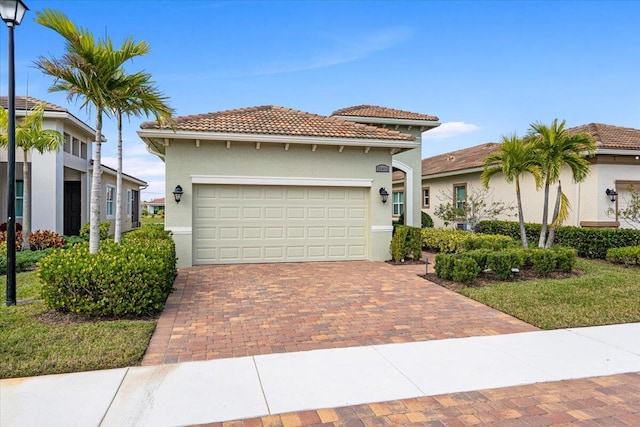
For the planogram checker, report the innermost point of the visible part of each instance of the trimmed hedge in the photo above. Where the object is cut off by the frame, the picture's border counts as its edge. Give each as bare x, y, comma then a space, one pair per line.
456, 241
589, 242
406, 241
25, 260
105, 227
131, 278
628, 255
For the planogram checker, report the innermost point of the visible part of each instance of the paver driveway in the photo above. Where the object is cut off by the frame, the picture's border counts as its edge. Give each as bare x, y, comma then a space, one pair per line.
242, 310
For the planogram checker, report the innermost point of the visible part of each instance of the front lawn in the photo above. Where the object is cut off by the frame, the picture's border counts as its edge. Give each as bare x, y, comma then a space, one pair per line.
146, 220
604, 294
35, 341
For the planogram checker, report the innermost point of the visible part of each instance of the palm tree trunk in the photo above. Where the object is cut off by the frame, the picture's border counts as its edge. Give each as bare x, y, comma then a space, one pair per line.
545, 216
523, 230
556, 211
96, 187
118, 227
26, 203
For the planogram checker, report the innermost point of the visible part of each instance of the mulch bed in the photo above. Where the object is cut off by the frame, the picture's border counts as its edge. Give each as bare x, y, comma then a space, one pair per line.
408, 261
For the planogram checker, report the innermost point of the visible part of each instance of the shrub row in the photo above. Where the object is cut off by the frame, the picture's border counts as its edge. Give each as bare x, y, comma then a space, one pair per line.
455, 241
25, 260
628, 255
131, 278
105, 227
465, 267
589, 242
406, 241
38, 240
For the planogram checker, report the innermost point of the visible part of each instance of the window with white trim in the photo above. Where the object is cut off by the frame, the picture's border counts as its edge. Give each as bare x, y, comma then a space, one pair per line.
460, 196
111, 191
19, 198
398, 203
129, 203
426, 197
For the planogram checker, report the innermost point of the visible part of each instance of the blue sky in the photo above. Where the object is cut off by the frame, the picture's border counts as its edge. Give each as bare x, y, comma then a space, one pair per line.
484, 68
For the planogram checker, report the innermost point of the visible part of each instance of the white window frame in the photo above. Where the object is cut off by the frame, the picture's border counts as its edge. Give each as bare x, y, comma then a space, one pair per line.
19, 198
426, 197
129, 203
398, 203
110, 196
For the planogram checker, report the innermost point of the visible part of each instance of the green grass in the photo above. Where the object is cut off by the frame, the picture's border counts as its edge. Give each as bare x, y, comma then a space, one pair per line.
29, 345
604, 294
144, 220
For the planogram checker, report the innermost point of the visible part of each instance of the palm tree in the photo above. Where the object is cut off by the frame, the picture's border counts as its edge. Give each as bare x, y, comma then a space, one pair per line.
515, 158
137, 96
556, 148
30, 136
88, 71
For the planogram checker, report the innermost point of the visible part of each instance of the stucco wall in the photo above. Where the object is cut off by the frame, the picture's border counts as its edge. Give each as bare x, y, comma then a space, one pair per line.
108, 179
184, 159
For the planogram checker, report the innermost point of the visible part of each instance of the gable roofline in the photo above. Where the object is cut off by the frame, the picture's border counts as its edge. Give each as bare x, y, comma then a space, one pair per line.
53, 111
113, 172
391, 121
375, 111
611, 137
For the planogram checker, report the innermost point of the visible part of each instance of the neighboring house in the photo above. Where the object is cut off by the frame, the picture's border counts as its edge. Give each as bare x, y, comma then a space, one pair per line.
61, 181
155, 206
615, 166
272, 184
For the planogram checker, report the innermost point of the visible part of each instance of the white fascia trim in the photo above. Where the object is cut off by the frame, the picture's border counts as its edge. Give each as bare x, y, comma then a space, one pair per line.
618, 152
282, 139
390, 121
381, 228
270, 180
179, 230
73, 119
154, 152
452, 173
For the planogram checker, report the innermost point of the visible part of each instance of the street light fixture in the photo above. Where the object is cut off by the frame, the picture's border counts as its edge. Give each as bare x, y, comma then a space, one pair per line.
12, 12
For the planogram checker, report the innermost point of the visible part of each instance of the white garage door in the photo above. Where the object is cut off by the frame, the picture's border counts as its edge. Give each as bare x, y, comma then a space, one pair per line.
254, 224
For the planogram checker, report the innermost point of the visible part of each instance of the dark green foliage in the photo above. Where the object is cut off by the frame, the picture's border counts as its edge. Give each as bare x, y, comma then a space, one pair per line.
455, 241
628, 255
25, 260
406, 241
105, 227
565, 258
543, 261
487, 241
465, 270
503, 262
480, 257
70, 241
131, 278
150, 231
427, 221
589, 242
444, 265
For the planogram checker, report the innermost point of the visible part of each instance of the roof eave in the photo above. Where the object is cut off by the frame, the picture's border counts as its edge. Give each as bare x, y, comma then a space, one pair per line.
391, 121
65, 116
453, 172
145, 134
619, 152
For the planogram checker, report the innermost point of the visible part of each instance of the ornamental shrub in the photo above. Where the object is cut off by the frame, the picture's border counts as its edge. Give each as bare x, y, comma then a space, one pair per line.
105, 227
628, 255
25, 260
149, 231
3, 238
487, 241
398, 243
130, 278
543, 261
465, 270
45, 239
502, 263
426, 220
444, 266
3, 226
456, 241
480, 257
565, 258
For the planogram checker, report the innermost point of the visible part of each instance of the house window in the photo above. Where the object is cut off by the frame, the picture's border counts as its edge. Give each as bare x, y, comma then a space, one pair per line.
398, 203
460, 196
425, 197
75, 147
67, 143
83, 150
19, 198
129, 203
111, 191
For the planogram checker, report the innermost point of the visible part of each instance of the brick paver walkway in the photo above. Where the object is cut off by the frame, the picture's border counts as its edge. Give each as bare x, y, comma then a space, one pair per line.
604, 401
241, 310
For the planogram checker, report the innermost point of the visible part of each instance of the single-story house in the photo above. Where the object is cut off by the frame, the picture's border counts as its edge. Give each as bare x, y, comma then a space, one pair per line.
273, 184
61, 180
155, 206
615, 166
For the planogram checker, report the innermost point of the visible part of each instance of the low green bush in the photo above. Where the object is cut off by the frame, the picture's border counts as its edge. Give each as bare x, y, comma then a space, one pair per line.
444, 265
398, 243
70, 241
105, 227
427, 221
503, 263
25, 260
565, 258
465, 270
480, 257
456, 241
132, 278
628, 255
543, 261
487, 241
149, 231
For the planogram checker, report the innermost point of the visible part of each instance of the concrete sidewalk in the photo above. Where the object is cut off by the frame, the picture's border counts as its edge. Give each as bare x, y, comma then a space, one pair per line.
229, 389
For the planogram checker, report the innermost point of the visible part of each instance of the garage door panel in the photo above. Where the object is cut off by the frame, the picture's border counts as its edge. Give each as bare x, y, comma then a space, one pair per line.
247, 224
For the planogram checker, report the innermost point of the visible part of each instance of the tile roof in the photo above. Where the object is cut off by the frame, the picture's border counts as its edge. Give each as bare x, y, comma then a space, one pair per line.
27, 103
274, 120
382, 112
609, 136
159, 201
467, 158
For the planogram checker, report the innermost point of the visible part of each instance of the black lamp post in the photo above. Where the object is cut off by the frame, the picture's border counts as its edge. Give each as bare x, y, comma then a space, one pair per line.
12, 12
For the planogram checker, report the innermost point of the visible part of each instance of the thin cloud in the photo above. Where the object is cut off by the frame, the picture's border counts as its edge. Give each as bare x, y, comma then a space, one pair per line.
450, 130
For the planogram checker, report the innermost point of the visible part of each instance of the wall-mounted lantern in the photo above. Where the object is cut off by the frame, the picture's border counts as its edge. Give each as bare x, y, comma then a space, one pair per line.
177, 193
384, 195
613, 194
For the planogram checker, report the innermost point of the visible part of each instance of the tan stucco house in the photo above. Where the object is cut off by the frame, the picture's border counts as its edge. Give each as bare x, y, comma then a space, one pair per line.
155, 206
615, 166
273, 184
61, 180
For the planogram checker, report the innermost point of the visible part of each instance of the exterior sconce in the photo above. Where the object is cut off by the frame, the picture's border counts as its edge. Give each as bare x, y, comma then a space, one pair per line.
613, 194
177, 193
384, 195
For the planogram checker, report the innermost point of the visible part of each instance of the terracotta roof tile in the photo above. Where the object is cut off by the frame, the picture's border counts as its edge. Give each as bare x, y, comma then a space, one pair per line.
467, 158
274, 120
159, 201
382, 112
27, 103
609, 136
